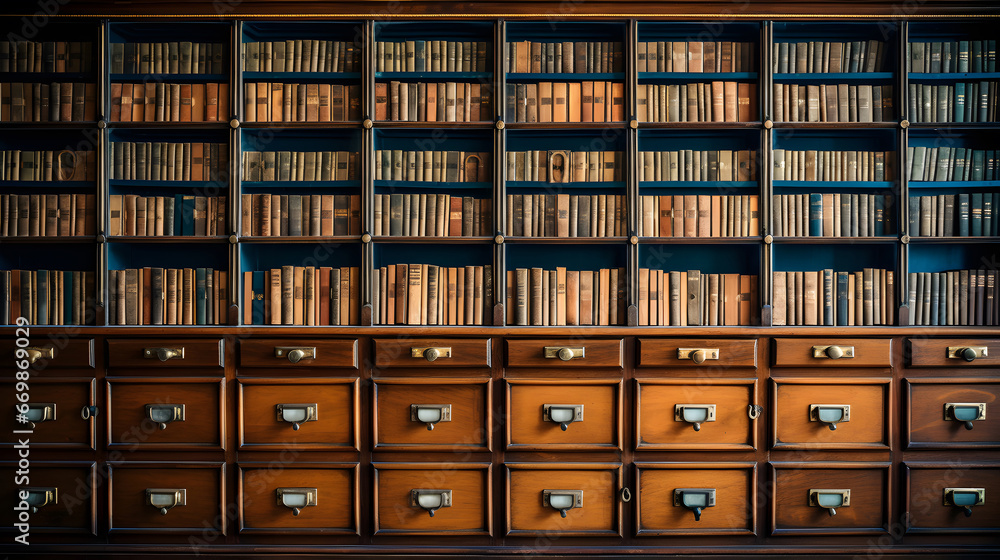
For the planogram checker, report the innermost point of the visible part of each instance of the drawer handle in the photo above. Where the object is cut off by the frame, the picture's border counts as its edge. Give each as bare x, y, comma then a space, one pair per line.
164, 354
89, 412
833, 352
37, 497
562, 414
432, 353
562, 500
430, 414
966, 413
829, 499
695, 499
564, 353
297, 498
968, 353
965, 498
296, 414
754, 410
430, 500
698, 355
694, 414
830, 414
165, 499
295, 353
40, 412
35, 353
164, 414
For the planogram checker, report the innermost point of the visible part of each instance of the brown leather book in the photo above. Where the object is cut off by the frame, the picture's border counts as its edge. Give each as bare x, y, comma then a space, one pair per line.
197, 102
730, 300
381, 101
126, 104
718, 101
617, 101
744, 112
185, 103
559, 110
587, 102
573, 101
545, 108
731, 114
810, 292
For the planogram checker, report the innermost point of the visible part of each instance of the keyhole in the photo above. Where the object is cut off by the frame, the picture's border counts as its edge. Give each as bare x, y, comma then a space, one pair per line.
163, 425
296, 511
295, 426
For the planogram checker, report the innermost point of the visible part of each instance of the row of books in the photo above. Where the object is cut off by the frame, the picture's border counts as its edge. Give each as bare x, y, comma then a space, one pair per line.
952, 56
48, 165
302, 295
432, 101
566, 102
828, 298
565, 166
946, 163
169, 161
823, 57
47, 297
284, 102
697, 102
168, 296
689, 298
42, 215
695, 56
954, 297
300, 55
833, 103
46, 56
565, 57
300, 215
427, 294
432, 165
432, 56
174, 57
149, 216
536, 296
957, 102
700, 215
429, 215
52, 102
163, 102
698, 165
832, 215
949, 215
833, 165
300, 166
563, 215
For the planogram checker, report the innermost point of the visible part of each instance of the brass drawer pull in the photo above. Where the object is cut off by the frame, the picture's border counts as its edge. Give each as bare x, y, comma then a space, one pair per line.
698, 355
430, 414
967, 353
562, 414
562, 500
34, 353
965, 498
164, 414
966, 413
164, 354
165, 499
829, 499
40, 412
296, 414
295, 353
431, 353
695, 499
89, 412
695, 414
833, 352
297, 498
38, 497
430, 500
830, 414
564, 353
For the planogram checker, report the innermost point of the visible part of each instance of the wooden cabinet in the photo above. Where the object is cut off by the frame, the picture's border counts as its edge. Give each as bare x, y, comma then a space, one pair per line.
688, 414
299, 499
819, 413
943, 498
158, 413
696, 498
432, 414
556, 414
54, 496
951, 412
299, 413
564, 499
432, 499
62, 410
839, 498
298, 353
163, 497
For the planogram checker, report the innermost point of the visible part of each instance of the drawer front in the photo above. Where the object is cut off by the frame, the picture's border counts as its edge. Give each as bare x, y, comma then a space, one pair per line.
465, 486
714, 354
801, 352
931, 419
954, 352
418, 353
447, 415
564, 415
145, 354
670, 496
795, 482
709, 415
134, 485
807, 410
301, 414
596, 513
326, 496
281, 353
932, 492
130, 425
59, 405
596, 353
61, 492
45, 353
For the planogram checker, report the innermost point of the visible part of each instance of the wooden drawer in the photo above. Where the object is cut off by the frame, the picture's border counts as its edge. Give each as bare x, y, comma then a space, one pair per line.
726, 405
61, 402
66, 486
142, 355
930, 504
596, 353
299, 413
719, 355
792, 514
280, 353
463, 405
130, 425
270, 496
931, 423
66, 353
799, 407
465, 486
799, 352
201, 485
592, 410
597, 512
728, 488
413, 352
934, 352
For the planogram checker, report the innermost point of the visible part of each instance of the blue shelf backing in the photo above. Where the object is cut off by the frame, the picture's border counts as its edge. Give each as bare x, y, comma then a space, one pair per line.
844, 257
939, 258
432, 253
874, 140
557, 31
351, 31
834, 186
415, 187
167, 255
301, 140
688, 77
434, 76
698, 187
573, 257
439, 139
666, 140
826, 77
582, 187
300, 77
717, 259
575, 140
563, 76
205, 32
265, 256
154, 134
699, 31
33, 256
434, 30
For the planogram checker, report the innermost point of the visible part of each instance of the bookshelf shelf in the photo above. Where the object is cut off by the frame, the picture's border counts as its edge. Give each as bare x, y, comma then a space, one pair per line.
564, 76
835, 77
47, 185
434, 125
477, 185
871, 185
169, 125
169, 78
696, 76
836, 125
434, 76
75, 239
300, 125
522, 240
169, 239
951, 76
299, 239
872, 240
301, 77
702, 125
983, 240
300, 184
662, 240
452, 239
696, 185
